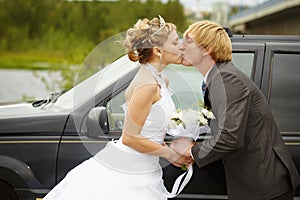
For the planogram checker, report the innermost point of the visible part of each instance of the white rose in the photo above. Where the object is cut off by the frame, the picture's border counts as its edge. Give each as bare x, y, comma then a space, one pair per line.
172, 124
177, 115
204, 111
190, 116
207, 113
203, 120
210, 115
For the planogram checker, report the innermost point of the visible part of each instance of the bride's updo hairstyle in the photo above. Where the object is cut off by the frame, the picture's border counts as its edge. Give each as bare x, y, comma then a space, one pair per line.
145, 35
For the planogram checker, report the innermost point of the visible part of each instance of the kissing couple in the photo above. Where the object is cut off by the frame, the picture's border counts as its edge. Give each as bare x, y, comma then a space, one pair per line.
244, 133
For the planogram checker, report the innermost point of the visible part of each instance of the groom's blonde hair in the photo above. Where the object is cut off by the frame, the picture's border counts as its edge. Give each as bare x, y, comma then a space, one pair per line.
213, 38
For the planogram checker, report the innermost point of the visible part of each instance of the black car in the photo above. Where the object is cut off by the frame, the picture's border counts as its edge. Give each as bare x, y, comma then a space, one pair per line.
41, 142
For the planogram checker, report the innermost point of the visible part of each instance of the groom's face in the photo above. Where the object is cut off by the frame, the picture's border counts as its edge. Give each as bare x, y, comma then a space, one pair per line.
192, 53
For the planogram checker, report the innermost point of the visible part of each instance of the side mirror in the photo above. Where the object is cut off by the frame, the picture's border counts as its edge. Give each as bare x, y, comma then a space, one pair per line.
97, 122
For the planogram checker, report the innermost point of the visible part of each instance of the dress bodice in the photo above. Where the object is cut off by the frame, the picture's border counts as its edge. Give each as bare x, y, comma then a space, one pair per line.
157, 122
158, 119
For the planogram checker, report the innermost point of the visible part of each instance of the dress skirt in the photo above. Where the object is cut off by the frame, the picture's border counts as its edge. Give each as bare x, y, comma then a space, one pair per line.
113, 174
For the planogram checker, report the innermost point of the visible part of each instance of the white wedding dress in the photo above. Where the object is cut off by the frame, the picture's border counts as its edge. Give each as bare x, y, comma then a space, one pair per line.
118, 172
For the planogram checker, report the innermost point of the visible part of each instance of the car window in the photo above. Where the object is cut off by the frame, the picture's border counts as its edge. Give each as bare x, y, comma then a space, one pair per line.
285, 91
244, 61
115, 110
184, 85
96, 83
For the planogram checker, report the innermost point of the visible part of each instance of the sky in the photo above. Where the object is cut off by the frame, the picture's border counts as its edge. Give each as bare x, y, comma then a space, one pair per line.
206, 5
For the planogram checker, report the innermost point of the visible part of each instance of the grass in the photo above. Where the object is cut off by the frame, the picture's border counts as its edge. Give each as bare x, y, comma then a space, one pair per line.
31, 61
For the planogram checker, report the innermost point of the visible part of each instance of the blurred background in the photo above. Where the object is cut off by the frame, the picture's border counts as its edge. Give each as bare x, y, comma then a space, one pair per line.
44, 42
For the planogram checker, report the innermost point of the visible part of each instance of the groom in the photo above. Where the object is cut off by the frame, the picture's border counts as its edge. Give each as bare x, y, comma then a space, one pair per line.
245, 136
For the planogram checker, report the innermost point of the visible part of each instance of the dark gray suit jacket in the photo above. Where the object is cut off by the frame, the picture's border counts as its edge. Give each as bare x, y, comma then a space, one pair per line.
245, 136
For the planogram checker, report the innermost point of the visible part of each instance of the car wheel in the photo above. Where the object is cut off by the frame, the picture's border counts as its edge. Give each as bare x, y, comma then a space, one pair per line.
7, 192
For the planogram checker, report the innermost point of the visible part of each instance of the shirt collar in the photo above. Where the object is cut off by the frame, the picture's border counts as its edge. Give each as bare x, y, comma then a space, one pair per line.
206, 75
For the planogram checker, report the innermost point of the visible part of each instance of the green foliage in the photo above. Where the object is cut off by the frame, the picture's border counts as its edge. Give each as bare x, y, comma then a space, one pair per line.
28, 23
67, 31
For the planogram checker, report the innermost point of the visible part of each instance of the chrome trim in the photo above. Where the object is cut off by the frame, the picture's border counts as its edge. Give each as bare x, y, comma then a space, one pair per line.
201, 196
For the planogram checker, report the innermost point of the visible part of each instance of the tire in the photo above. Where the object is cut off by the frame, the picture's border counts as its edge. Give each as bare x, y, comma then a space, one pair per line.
7, 192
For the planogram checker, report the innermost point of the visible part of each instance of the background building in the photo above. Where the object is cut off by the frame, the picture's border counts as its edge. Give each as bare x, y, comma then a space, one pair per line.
280, 17
220, 12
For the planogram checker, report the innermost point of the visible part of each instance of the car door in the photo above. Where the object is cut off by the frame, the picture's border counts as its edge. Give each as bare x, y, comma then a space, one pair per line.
281, 86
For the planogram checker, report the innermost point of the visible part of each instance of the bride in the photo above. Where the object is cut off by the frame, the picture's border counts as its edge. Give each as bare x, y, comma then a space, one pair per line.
129, 168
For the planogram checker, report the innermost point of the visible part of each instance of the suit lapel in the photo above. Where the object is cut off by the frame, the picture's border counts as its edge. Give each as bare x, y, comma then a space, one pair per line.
213, 71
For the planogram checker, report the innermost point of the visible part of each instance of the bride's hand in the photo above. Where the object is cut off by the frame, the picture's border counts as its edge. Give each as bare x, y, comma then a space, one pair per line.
177, 159
182, 146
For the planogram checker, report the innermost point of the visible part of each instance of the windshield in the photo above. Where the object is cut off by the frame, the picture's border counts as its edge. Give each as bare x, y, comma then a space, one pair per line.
94, 84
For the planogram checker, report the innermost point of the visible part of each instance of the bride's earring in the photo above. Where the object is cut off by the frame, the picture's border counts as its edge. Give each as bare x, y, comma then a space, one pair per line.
160, 58
158, 53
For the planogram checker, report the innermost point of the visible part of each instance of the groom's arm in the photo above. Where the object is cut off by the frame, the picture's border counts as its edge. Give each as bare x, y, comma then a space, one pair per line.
230, 100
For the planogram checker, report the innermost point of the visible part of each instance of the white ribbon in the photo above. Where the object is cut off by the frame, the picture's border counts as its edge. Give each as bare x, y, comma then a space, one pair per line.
177, 188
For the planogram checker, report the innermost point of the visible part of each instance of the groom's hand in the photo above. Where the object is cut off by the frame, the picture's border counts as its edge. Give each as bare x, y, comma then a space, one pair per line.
182, 146
183, 161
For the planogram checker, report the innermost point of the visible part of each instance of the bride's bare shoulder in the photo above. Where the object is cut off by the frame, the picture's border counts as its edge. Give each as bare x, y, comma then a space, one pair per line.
142, 78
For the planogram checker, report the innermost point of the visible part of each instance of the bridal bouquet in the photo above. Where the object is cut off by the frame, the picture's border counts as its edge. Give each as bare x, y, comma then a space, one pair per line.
190, 123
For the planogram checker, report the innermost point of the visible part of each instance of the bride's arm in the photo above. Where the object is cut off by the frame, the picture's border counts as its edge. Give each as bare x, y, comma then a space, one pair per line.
138, 109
